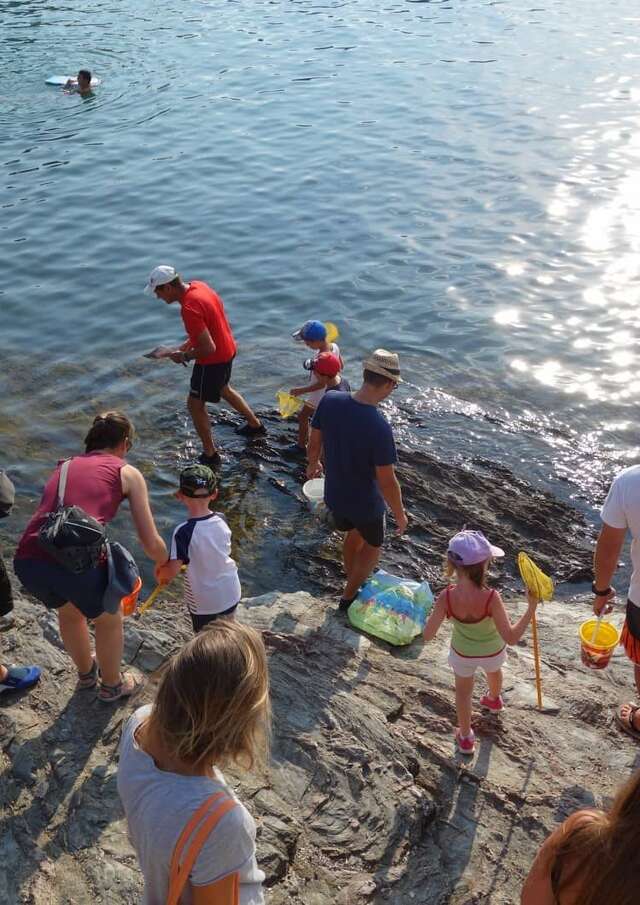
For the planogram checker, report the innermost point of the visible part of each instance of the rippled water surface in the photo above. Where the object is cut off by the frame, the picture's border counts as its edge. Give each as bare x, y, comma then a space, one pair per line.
456, 181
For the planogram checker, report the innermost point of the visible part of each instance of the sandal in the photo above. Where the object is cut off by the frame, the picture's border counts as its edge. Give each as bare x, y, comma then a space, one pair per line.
127, 686
626, 723
89, 679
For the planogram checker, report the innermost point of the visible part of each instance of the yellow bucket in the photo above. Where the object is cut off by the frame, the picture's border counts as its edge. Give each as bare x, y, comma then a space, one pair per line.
596, 652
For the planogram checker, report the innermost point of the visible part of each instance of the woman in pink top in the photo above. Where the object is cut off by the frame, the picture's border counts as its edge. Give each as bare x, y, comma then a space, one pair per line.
98, 482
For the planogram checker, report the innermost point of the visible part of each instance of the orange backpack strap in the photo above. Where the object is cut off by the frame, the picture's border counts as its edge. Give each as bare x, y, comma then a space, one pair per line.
197, 831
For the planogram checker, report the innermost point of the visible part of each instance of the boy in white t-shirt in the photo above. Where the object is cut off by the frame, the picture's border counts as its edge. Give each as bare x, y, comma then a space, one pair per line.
314, 335
203, 544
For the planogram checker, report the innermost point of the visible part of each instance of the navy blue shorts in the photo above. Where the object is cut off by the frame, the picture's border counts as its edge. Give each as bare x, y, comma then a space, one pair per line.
199, 621
371, 532
55, 586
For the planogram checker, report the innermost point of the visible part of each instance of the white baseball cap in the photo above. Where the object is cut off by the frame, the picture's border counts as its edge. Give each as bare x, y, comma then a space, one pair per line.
160, 275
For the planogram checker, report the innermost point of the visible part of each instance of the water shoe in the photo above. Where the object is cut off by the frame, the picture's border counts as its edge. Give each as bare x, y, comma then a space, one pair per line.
19, 678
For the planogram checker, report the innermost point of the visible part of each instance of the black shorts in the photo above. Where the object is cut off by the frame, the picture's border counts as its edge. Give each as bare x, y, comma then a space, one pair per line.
208, 380
371, 532
199, 621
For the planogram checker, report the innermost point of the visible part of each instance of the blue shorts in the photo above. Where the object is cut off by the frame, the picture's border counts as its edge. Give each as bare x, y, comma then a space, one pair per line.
55, 586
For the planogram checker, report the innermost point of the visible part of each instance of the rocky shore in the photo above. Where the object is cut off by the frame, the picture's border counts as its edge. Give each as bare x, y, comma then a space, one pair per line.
364, 800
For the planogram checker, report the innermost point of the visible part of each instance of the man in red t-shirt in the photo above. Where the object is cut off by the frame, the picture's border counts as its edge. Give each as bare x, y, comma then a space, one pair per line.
211, 344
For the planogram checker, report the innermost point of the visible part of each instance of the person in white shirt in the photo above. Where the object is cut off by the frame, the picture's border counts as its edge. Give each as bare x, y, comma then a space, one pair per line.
621, 513
203, 545
212, 708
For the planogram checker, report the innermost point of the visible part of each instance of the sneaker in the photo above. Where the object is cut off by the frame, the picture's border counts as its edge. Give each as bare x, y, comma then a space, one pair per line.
295, 451
466, 743
247, 431
19, 678
493, 704
345, 603
213, 461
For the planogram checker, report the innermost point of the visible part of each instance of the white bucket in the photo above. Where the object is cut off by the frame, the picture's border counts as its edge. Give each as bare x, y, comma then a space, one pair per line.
314, 491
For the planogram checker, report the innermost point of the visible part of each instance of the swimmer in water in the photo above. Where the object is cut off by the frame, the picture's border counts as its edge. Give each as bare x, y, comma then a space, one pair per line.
79, 85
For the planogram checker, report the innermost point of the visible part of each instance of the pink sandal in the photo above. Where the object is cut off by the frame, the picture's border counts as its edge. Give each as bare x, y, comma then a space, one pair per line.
466, 743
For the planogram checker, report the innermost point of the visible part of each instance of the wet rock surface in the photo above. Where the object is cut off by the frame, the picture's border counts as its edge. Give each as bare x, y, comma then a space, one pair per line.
364, 801
297, 551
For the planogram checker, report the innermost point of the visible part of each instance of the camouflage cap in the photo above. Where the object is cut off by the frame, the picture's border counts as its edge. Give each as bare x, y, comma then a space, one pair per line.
197, 481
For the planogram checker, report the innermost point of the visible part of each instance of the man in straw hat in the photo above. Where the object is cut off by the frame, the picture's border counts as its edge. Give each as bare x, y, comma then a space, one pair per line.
359, 457
621, 513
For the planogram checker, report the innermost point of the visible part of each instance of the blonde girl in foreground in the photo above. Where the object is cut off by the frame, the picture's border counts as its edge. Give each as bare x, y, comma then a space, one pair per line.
593, 858
481, 627
212, 708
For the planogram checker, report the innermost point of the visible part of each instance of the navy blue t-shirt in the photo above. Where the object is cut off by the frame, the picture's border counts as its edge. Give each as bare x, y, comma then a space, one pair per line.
356, 438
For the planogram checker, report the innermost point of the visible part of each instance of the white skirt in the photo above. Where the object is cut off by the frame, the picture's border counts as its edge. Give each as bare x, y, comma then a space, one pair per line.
465, 667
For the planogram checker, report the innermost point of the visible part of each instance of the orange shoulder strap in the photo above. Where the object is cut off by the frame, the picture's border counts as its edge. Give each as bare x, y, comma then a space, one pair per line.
200, 826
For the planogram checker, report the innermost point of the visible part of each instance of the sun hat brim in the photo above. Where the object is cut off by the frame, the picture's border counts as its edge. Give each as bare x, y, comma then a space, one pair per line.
380, 369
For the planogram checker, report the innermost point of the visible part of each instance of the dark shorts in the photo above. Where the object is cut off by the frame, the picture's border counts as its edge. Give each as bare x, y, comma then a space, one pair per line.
55, 586
6, 595
371, 532
630, 637
198, 622
207, 381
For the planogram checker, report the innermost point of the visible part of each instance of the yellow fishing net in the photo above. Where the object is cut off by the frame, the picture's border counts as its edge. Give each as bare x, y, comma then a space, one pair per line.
332, 332
534, 578
288, 405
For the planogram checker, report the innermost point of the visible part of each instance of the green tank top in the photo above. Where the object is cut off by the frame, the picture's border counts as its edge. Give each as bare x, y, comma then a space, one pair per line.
475, 639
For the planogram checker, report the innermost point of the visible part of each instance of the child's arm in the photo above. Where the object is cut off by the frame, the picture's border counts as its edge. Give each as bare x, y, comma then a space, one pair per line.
309, 388
436, 618
168, 570
511, 634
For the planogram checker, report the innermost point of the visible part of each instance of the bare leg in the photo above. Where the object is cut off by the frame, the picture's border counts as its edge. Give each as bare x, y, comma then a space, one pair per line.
351, 547
494, 681
464, 690
199, 416
362, 565
303, 426
74, 632
109, 646
236, 402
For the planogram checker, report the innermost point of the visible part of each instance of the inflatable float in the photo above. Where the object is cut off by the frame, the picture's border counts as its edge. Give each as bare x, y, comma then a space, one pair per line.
59, 81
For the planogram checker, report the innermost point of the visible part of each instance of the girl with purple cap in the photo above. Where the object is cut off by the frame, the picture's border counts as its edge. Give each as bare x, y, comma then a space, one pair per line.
481, 627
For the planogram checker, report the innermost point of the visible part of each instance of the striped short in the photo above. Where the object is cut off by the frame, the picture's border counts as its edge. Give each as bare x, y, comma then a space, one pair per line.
630, 637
